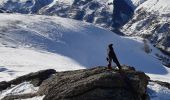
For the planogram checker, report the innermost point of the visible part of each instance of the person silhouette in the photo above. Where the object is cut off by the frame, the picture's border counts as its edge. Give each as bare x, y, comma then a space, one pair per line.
112, 56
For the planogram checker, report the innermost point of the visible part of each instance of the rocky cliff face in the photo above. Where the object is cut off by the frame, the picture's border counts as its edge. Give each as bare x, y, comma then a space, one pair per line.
109, 14
151, 21
93, 84
23, 6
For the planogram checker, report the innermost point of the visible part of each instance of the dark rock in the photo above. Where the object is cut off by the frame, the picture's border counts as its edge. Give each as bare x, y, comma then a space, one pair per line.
86, 84
18, 97
125, 67
4, 85
1, 11
96, 84
164, 84
121, 7
35, 78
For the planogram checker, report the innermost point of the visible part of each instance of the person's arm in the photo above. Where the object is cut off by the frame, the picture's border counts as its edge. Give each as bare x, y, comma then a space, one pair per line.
107, 55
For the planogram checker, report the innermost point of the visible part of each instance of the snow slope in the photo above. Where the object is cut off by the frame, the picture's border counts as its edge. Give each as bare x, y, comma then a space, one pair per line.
22, 88
31, 42
19, 61
158, 92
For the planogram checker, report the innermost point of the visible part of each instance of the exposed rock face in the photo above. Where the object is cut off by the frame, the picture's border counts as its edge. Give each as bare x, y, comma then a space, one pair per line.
95, 84
24, 6
122, 13
151, 24
4, 85
18, 97
89, 84
35, 78
105, 13
1, 11
99, 12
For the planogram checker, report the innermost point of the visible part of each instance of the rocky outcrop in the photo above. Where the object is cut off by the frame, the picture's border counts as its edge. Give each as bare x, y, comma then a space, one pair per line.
95, 84
34, 78
19, 97
4, 85
1, 11
122, 13
92, 84
164, 84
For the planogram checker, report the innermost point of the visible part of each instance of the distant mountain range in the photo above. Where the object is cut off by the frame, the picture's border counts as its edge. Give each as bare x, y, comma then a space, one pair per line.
105, 13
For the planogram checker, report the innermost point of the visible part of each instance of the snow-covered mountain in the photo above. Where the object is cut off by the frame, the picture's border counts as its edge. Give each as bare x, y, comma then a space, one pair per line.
135, 3
106, 13
30, 43
150, 17
23, 6
151, 21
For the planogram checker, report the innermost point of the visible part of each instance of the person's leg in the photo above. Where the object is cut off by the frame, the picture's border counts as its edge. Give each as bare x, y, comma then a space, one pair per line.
117, 63
110, 63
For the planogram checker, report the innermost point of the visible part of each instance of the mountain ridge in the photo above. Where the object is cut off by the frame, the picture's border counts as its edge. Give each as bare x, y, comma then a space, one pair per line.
109, 14
151, 21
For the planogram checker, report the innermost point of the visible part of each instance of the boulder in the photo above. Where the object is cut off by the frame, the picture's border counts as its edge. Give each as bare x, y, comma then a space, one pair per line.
96, 84
4, 85
35, 78
19, 97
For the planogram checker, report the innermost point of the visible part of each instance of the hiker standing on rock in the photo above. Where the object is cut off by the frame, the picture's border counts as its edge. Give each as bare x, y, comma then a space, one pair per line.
112, 56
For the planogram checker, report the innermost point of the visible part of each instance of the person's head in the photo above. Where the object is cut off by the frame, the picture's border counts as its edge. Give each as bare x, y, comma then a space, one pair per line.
110, 45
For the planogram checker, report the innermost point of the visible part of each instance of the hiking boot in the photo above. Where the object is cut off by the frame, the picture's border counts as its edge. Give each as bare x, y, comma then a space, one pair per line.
110, 68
